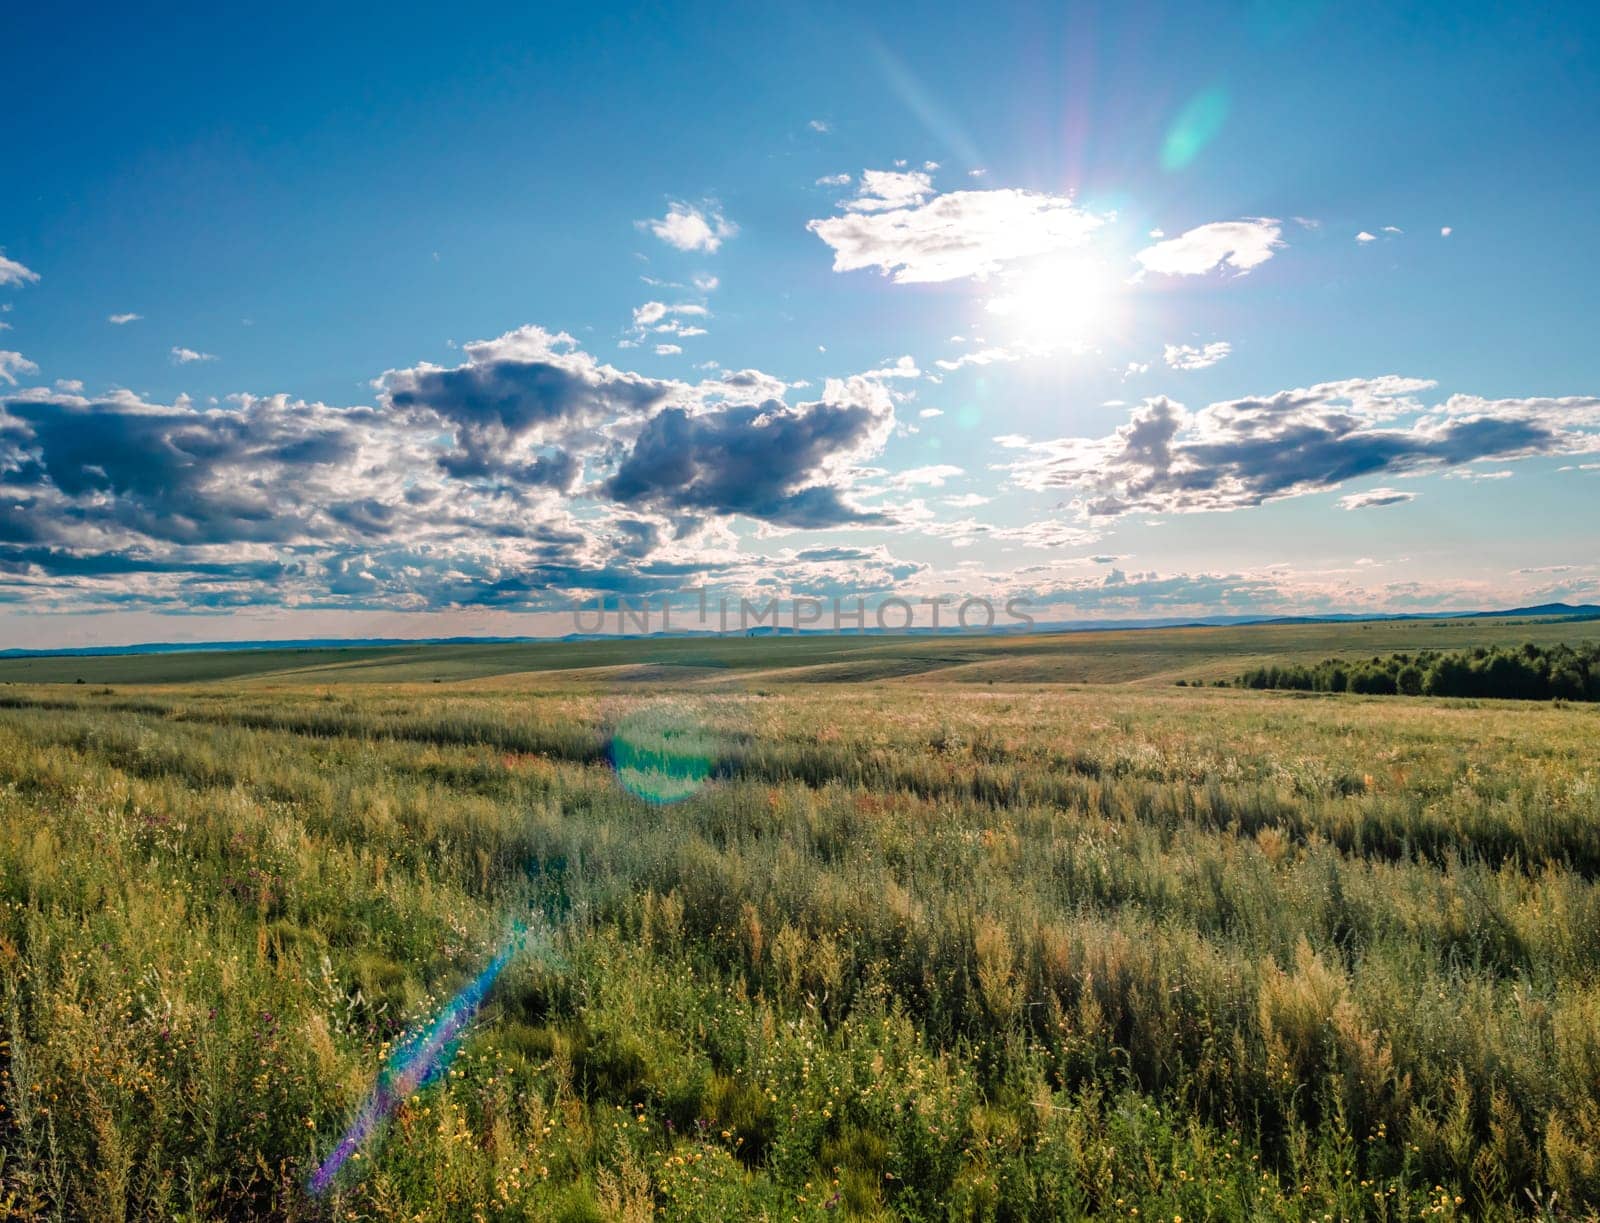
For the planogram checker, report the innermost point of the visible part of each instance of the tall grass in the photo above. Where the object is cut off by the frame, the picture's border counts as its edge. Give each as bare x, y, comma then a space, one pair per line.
917, 952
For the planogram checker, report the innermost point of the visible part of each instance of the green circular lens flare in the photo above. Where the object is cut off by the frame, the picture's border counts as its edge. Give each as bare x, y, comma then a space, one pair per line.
662, 753
1195, 127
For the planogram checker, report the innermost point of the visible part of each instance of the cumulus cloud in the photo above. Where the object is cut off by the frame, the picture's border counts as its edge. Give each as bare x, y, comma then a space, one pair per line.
14, 273
897, 223
530, 472
1187, 356
14, 363
1365, 237
1245, 452
690, 227
1374, 498
188, 356
121, 320
1236, 245
834, 180
770, 461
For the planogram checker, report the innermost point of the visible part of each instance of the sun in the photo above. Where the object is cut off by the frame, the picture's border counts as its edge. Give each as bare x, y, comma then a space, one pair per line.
1058, 303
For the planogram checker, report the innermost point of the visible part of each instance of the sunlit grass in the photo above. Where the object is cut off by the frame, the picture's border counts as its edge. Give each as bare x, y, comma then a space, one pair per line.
897, 951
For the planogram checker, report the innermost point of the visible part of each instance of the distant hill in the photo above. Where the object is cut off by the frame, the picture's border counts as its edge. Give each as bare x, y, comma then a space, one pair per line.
1543, 611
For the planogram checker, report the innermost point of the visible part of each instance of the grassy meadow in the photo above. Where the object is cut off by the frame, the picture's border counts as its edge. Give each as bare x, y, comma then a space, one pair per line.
978, 928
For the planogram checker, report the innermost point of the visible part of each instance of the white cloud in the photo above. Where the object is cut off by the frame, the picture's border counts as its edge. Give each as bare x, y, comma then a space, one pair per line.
1364, 237
187, 356
13, 273
652, 312
984, 356
122, 319
1393, 229
1445, 231
884, 189
688, 227
902, 367
706, 284
1187, 356
1240, 245
930, 413
898, 225
834, 180
668, 350
819, 125
933, 475
14, 363
1375, 498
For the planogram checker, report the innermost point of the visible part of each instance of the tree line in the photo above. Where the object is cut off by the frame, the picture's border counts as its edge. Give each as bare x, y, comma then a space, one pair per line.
1525, 673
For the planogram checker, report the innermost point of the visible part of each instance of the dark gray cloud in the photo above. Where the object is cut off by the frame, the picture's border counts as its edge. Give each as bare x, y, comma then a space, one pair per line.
529, 475
175, 474
521, 405
1246, 452
767, 461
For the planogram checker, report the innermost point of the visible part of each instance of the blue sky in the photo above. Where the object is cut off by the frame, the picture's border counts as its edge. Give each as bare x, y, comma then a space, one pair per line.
447, 319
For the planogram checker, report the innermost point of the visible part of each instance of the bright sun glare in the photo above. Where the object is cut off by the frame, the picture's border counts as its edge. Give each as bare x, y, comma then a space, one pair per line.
1061, 303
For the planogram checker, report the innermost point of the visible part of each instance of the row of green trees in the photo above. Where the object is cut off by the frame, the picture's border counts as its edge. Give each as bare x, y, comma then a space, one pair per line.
1526, 673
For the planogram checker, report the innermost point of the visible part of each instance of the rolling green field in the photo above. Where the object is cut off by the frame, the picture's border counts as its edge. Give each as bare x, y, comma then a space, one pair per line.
978, 928
1160, 656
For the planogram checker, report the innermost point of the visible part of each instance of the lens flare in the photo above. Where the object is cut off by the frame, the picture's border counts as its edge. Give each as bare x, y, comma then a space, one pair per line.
417, 1061
1195, 127
663, 753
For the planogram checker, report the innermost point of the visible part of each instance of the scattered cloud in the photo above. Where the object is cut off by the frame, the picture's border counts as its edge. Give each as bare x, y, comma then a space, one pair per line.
982, 356
14, 363
1186, 356
121, 320
834, 180
930, 413
1238, 245
901, 367
1245, 452
668, 350
1374, 498
188, 356
934, 475
689, 227
1365, 237
899, 225
1445, 231
14, 273
819, 125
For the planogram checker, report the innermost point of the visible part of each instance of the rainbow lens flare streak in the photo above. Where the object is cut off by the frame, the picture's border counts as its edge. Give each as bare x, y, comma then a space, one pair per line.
417, 1059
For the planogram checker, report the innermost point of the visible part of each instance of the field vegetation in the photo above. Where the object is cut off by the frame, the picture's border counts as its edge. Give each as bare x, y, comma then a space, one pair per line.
901, 948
